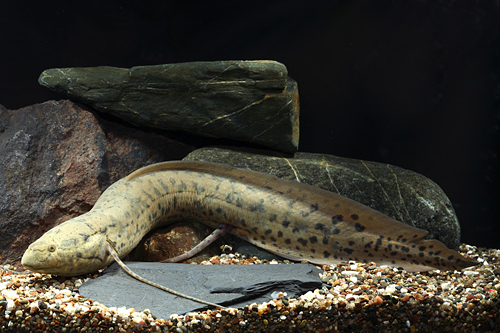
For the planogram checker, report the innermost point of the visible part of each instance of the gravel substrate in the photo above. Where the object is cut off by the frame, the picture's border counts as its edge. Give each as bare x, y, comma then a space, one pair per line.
359, 298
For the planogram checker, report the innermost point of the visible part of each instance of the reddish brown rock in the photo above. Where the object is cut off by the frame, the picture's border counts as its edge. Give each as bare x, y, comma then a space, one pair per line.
169, 242
57, 158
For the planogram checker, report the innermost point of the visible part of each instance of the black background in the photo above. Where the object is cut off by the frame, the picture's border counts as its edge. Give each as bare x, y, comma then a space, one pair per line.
410, 83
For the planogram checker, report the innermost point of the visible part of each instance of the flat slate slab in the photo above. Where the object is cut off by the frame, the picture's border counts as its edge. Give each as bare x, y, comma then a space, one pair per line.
251, 101
228, 285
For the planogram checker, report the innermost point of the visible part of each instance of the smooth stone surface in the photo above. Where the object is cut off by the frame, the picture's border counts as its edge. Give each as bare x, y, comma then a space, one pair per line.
399, 193
251, 101
57, 159
228, 285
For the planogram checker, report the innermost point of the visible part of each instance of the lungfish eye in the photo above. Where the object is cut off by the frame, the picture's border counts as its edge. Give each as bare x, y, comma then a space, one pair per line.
52, 248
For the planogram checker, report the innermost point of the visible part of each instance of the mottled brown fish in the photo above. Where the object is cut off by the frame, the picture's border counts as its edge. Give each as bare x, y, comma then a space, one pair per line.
293, 220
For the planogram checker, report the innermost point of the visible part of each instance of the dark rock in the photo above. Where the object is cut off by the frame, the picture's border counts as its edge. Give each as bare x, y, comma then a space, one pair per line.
227, 285
57, 158
401, 194
251, 101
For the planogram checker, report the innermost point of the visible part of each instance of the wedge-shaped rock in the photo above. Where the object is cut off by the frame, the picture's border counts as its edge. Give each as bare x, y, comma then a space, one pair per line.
252, 101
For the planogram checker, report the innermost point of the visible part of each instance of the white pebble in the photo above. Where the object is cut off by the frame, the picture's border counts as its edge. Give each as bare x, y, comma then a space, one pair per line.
446, 285
33, 307
307, 296
10, 305
390, 289
10, 294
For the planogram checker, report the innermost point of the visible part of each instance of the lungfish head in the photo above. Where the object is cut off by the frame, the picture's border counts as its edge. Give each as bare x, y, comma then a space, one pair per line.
72, 248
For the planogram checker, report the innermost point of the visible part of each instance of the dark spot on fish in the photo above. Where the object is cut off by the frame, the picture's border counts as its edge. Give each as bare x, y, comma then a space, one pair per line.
294, 230
273, 239
287, 241
351, 243
337, 218
394, 253
280, 233
313, 239
450, 257
436, 259
431, 246
319, 226
243, 222
359, 227
326, 254
421, 255
368, 245
285, 223
255, 238
263, 243
254, 229
314, 207
389, 247
326, 240
393, 262
336, 231
313, 250
354, 217
297, 248
263, 237
437, 252
348, 250
405, 249
428, 262
273, 217
404, 240
302, 241
268, 231
421, 248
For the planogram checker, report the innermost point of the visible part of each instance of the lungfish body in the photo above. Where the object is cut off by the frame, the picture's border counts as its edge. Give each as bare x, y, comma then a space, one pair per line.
293, 220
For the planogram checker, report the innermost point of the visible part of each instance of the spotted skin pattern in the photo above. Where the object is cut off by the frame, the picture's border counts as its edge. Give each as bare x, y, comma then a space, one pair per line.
293, 220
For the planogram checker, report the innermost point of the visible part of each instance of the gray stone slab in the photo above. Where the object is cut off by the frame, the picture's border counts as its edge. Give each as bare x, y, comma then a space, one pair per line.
228, 285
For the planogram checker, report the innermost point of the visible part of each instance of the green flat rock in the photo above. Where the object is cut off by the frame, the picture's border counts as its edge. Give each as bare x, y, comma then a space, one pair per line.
251, 101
